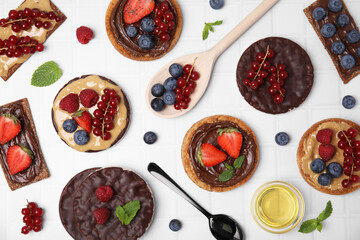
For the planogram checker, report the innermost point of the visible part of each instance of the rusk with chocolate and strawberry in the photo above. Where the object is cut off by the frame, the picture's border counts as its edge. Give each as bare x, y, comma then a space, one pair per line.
143, 30
219, 153
328, 156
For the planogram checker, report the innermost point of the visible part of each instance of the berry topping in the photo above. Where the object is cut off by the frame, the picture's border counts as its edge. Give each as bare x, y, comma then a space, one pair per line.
216, 4
10, 127
338, 47
84, 34
146, 42
104, 193
317, 165
135, 10
348, 102
319, 13
150, 137
83, 118
282, 138
88, 97
158, 90
81, 137
334, 169
208, 155
324, 136
176, 70
326, 152
18, 158
353, 36
230, 139
347, 61
157, 104
147, 24
358, 52
175, 225
324, 179
132, 31
70, 125
335, 5
169, 97
70, 103
170, 84
101, 215
342, 20
328, 30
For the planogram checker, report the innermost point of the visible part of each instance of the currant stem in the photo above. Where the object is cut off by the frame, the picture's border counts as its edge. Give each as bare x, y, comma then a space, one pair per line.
103, 120
262, 63
188, 77
278, 79
352, 165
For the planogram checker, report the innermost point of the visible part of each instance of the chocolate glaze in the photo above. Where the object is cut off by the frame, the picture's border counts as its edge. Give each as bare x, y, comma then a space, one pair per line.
118, 27
340, 35
206, 133
66, 203
28, 138
127, 186
299, 81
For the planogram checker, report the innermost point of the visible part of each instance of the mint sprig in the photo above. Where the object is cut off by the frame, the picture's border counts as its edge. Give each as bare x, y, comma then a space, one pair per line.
229, 172
127, 213
47, 74
208, 27
316, 223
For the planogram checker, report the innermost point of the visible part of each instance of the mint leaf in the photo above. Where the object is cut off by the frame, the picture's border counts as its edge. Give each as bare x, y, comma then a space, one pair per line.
208, 26
211, 28
127, 213
326, 213
229, 166
239, 161
308, 226
216, 23
319, 227
226, 175
46, 74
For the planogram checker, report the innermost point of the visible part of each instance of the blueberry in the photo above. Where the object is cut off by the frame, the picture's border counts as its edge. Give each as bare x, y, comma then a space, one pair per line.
146, 42
70, 125
150, 137
216, 4
319, 13
81, 137
348, 102
176, 70
335, 5
338, 47
175, 225
343, 20
328, 30
282, 138
358, 52
353, 36
169, 97
347, 61
131, 31
324, 179
170, 84
157, 90
334, 169
147, 24
317, 165
157, 104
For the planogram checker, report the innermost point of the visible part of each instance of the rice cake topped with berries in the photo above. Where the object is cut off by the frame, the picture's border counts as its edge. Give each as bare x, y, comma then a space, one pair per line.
275, 75
91, 113
219, 153
143, 30
328, 157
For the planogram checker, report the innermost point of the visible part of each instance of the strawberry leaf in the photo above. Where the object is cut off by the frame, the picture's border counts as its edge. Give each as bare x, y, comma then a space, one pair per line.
226, 175
46, 74
220, 131
198, 156
239, 161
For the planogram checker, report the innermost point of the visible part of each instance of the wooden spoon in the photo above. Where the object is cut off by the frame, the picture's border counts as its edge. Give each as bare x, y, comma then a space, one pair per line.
205, 62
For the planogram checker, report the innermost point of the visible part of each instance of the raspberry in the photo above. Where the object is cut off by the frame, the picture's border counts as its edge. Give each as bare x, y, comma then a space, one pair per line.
324, 136
104, 193
88, 97
326, 152
70, 103
101, 215
84, 34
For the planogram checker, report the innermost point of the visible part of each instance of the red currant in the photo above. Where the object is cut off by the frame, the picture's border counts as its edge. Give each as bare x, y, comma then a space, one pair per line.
188, 90
105, 98
28, 12
97, 132
354, 178
107, 91
13, 39
351, 132
348, 161
24, 230
281, 67
51, 15
179, 97
164, 37
270, 53
164, 6
283, 74
30, 226
35, 12
16, 27
163, 26
251, 74
177, 105
37, 220
112, 112
157, 21
247, 82
17, 53
181, 82
113, 102
272, 79
13, 14
27, 219
107, 118
9, 54
29, 21
187, 68
32, 205
356, 144
178, 90
260, 57
276, 86
168, 16
96, 122
278, 98
266, 65
157, 31
260, 81
37, 228
3, 21
194, 76
272, 69
255, 65
25, 211
171, 25
46, 25
106, 136
191, 84
346, 183
356, 168
254, 85
109, 126
98, 113
183, 105
112, 93
283, 91
348, 150
263, 74
272, 91
187, 99
39, 47
43, 14
58, 19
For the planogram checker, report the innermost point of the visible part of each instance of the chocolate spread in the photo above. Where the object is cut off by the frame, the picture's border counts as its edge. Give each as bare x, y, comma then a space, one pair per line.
118, 27
207, 133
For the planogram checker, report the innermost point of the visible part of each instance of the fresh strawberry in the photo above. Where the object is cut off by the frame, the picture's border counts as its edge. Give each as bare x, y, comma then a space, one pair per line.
18, 158
70, 103
326, 152
208, 155
88, 98
83, 118
324, 136
10, 127
135, 10
101, 215
104, 193
230, 139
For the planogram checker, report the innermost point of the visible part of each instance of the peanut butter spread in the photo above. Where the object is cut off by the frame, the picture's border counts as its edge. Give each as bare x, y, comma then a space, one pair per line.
97, 84
311, 152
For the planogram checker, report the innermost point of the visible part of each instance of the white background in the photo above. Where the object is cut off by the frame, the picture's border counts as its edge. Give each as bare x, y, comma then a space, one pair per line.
286, 19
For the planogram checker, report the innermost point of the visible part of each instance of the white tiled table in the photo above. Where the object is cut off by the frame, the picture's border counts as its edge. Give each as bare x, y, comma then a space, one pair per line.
99, 57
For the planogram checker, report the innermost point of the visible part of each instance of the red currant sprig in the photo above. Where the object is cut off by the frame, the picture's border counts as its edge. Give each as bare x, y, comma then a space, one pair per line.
276, 88
16, 47
163, 21
32, 218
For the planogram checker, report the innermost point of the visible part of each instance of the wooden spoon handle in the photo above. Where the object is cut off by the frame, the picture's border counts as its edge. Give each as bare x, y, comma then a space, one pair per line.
242, 27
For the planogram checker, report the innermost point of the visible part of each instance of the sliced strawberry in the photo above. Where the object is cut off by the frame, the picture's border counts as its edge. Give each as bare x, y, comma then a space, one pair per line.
83, 118
135, 10
326, 152
230, 139
208, 155
10, 127
324, 136
18, 158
